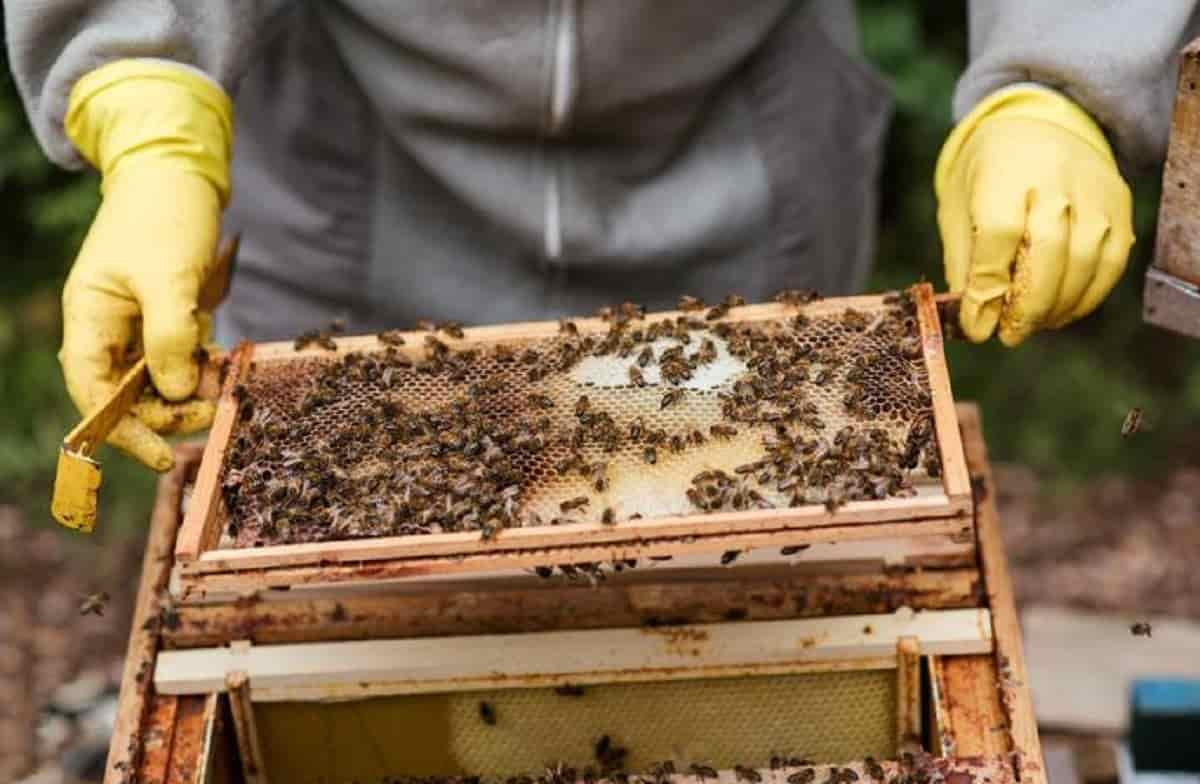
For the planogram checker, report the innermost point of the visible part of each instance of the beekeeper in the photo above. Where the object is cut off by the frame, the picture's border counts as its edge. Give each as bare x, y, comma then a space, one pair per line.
530, 158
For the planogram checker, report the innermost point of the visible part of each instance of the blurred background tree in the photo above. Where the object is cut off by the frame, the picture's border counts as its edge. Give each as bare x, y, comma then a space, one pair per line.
1056, 404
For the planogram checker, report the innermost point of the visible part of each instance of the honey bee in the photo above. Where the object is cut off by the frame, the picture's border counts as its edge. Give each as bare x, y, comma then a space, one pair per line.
1132, 423
539, 400
568, 327
804, 776
733, 301
575, 503
391, 337
426, 325
1141, 629
874, 769
636, 428
797, 296
645, 357
722, 431
582, 405
609, 517
702, 772
729, 556
636, 377
650, 455
93, 603
487, 713
671, 397
793, 549
716, 312
687, 303
744, 773
568, 690
452, 328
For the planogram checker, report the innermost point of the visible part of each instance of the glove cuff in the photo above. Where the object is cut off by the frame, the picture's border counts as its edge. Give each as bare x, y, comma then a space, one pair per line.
133, 113
1030, 101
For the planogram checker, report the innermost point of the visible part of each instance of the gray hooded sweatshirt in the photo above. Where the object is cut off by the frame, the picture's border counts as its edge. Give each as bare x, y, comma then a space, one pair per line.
499, 160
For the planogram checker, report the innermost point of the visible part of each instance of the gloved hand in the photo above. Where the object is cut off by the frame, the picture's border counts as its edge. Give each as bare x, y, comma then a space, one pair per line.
160, 135
1036, 221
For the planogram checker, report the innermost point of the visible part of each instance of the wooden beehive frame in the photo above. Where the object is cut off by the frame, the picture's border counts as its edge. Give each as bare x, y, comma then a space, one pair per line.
202, 567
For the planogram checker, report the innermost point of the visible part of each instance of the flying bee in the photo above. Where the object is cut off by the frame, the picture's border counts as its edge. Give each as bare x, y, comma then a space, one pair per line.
635, 376
574, 503
687, 303
93, 603
672, 397
1132, 423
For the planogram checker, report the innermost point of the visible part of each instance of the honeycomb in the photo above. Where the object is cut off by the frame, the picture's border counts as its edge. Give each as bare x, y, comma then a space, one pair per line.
827, 717
428, 438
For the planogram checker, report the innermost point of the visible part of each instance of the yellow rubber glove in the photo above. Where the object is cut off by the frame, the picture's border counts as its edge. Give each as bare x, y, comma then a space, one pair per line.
161, 137
1036, 221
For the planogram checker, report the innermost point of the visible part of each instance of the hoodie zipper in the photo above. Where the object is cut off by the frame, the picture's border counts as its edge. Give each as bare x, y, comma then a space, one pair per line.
560, 103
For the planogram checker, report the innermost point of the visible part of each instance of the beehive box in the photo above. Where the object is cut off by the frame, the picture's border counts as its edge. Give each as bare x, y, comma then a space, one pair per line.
587, 447
751, 671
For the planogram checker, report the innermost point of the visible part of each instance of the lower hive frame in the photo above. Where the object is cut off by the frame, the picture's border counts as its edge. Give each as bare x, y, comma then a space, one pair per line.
981, 726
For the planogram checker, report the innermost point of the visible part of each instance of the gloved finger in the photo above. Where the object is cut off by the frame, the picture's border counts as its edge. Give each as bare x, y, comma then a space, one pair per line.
1038, 270
171, 334
138, 441
97, 334
999, 226
166, 418
954, 226
1089, 230
1113, 258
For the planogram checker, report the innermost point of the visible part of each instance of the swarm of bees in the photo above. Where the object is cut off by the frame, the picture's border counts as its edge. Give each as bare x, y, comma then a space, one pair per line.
348, 451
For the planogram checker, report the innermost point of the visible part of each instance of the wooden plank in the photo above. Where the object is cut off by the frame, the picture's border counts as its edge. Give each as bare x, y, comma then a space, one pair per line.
1010, 653
867, 514
201, 525
430, 665
908, 694
970, 718
192, 721
956, 480
210, 736
192, 586
385, 613
1095, 698
143, 637
249, 743
1177, 241
153, 739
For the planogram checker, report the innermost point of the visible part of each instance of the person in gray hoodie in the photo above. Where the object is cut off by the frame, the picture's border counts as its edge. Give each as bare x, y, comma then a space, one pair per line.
496, 161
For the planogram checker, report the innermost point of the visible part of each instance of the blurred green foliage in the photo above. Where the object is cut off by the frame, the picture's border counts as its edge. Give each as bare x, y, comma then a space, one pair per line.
1055, 404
